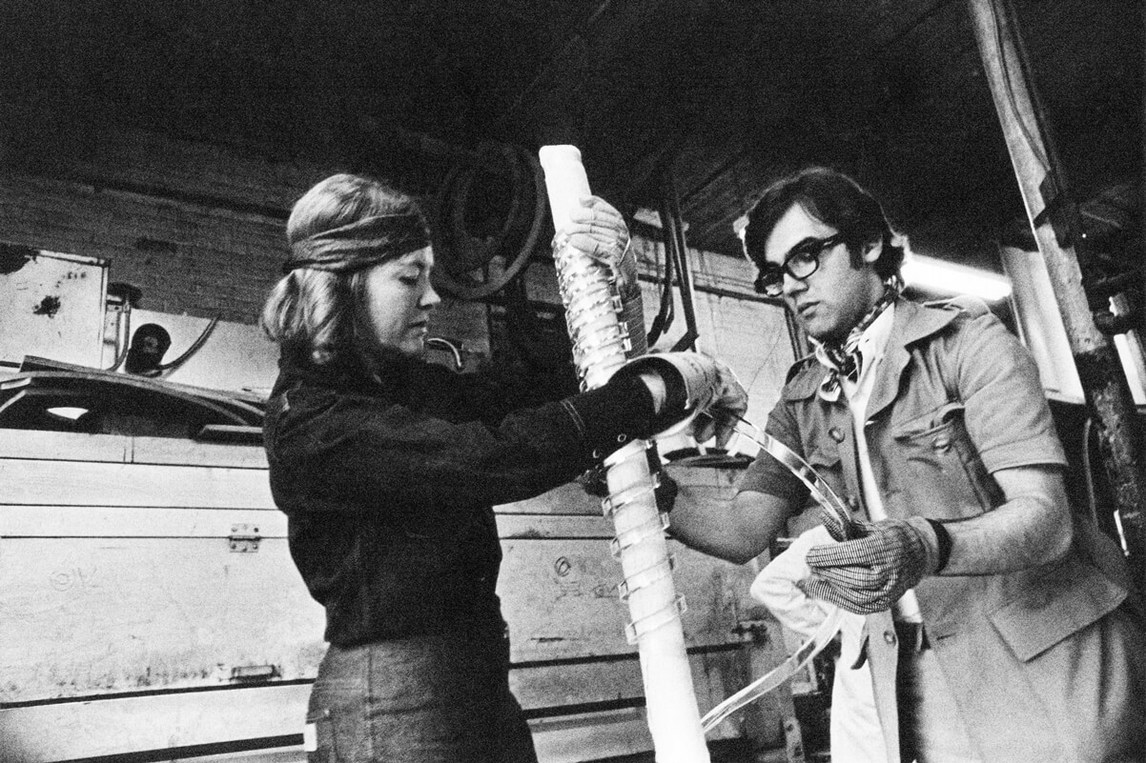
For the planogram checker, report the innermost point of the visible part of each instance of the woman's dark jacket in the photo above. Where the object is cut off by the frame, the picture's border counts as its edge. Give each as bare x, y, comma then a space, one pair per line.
389, 479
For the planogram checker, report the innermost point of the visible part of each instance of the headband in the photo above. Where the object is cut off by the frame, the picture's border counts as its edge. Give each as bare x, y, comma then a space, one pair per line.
360, 244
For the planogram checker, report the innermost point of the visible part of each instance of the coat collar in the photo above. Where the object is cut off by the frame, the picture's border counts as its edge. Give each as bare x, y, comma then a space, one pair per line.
348, 373
912, 322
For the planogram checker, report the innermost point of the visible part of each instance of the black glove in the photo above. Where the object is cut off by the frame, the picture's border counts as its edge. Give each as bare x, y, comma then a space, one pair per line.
871, 573
666, 492
695, 384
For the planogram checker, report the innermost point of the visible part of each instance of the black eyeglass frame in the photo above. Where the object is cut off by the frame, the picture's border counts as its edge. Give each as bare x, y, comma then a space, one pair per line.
770, 280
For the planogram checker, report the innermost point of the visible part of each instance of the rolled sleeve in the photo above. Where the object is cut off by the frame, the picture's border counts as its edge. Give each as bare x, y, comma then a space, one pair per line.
1006, 412
767, 475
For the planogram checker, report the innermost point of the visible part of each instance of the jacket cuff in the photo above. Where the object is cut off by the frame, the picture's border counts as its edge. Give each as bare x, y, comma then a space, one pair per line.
611, 416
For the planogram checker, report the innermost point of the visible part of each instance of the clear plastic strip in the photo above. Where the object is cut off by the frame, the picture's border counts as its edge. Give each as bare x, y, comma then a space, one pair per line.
646, 577
658, 619
778, 675
803, 471
827, 498
639, 534
614, 503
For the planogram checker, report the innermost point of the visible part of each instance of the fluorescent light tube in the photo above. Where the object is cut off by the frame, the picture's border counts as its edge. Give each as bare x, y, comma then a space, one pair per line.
942, 277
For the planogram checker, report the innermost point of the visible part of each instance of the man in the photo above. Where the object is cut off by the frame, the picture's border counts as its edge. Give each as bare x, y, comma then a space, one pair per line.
999, 622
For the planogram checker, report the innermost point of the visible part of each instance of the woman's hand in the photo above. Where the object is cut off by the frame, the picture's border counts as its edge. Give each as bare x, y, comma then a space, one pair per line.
598, 230
693, 388
729, 403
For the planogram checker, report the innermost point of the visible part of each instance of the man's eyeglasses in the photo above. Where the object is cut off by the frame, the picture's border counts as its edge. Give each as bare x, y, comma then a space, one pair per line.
801, 262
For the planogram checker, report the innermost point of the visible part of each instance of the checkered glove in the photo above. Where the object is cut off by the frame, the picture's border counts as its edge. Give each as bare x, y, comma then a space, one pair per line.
839, 525
871, 573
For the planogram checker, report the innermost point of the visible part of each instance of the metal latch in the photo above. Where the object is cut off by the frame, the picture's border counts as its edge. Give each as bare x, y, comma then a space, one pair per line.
755, 631
244, 539
255, 672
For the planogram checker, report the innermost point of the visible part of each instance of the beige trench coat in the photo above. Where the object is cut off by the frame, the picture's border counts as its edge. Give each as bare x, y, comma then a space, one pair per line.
1044, 663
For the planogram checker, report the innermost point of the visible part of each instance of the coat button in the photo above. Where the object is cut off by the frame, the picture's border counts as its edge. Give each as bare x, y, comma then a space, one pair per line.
889, 637
622, 437
836, 434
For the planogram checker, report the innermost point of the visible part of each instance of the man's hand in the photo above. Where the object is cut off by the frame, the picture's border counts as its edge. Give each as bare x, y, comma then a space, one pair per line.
869, 574
841, 526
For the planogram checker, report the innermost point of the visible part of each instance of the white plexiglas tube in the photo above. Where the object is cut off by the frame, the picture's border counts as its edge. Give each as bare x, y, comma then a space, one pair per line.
600, 343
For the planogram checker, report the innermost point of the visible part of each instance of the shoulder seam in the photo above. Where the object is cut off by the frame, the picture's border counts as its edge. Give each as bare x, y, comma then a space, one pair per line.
797, 366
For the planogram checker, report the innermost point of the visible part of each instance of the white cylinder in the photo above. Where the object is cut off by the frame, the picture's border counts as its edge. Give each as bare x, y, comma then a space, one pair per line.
655, 627
565, 181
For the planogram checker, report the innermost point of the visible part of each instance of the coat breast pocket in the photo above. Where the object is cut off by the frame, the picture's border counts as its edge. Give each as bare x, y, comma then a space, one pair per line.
940, 468
828, 467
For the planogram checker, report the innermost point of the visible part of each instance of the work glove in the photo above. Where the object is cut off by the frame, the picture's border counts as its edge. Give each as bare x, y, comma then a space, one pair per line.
695, 384
840, 525
871, 573
598, 230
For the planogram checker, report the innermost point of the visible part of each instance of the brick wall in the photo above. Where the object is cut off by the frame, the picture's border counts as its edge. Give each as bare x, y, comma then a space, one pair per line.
200, 230
186, 257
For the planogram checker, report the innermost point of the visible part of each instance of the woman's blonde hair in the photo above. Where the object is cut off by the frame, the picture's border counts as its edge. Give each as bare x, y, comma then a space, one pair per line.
316, 312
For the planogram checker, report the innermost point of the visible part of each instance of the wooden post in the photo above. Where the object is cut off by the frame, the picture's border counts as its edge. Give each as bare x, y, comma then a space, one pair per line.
1032, 155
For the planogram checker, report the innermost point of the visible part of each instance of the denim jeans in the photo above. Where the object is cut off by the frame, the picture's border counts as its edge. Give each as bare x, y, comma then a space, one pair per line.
426, 699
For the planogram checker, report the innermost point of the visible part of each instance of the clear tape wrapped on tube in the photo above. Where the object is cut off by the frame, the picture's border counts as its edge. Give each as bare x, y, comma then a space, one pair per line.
601, 344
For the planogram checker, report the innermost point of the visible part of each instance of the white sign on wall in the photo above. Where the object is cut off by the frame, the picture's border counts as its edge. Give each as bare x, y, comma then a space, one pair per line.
51, 305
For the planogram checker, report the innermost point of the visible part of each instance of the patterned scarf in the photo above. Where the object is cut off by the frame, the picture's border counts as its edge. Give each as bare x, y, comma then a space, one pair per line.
845, 359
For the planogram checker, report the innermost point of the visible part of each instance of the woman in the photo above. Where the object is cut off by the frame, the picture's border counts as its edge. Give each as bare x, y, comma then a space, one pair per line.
388, 467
